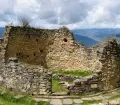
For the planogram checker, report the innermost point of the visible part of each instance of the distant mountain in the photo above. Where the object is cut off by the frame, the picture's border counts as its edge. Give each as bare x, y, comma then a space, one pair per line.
85, 40
97, 34
118, 35
1, 31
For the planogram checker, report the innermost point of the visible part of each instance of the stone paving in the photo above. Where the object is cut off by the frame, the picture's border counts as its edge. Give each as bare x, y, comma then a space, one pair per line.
103, 99
56, 102
80, 102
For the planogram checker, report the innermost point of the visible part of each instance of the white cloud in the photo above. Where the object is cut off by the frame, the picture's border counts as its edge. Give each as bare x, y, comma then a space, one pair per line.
56, 13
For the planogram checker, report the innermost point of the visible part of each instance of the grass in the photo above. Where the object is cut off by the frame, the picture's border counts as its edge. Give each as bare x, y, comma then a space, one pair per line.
8, 98
56, 87
91, 102
117, 95
43, 103
74, 72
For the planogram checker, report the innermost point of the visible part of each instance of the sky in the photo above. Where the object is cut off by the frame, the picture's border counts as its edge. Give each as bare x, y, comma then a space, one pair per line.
74, 14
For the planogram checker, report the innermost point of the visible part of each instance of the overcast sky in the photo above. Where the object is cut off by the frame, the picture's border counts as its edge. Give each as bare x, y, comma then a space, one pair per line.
56, 13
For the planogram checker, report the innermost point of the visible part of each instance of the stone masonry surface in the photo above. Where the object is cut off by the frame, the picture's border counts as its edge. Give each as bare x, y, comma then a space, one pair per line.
53, 49
28, 79
40, 51
90, 84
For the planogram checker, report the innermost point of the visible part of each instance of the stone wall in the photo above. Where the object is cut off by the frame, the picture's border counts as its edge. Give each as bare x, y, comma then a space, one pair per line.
67, 54
29, 45
25, 78
53, 49
1, 41
109, 53
30, 79
2, 54
56, 49
64, 77
86, 85
105, 58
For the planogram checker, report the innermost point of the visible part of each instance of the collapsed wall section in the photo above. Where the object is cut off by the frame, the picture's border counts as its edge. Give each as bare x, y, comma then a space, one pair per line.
86, 85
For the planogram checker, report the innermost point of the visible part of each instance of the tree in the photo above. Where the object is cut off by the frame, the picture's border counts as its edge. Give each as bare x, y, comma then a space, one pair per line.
25, 23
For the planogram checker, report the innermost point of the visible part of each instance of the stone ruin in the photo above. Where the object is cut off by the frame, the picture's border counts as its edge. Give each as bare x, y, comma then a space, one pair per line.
28, 56
27, 79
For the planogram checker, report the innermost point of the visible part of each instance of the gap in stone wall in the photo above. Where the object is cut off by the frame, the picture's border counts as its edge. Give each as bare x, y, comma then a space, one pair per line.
34, 54
36, 40
41, 51
65, 39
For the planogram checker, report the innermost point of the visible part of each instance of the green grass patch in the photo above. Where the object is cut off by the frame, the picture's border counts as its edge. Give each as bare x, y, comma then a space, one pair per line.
8, 98
74, 72
56, 87
91, 102
58, 79
43, 103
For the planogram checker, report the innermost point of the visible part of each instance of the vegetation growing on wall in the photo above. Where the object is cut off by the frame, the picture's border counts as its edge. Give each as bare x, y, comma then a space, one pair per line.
82, 73
25, 23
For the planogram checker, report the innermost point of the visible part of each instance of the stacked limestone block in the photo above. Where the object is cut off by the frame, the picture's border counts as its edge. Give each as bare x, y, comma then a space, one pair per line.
33, 80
